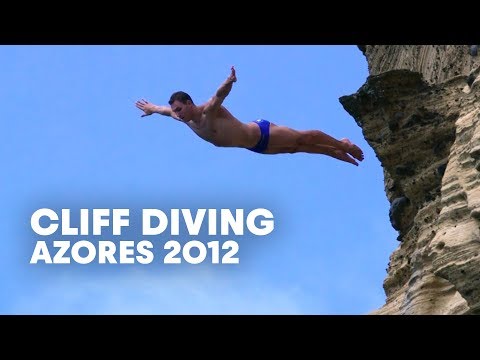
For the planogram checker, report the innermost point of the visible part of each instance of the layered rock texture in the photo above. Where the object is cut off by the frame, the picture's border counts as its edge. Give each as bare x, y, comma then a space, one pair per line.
420, 111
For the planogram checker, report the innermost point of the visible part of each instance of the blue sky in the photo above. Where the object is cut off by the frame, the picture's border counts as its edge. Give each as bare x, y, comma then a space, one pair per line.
73, 139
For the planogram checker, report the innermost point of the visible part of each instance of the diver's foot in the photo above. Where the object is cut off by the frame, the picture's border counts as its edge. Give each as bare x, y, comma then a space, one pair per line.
342, 155
353, 149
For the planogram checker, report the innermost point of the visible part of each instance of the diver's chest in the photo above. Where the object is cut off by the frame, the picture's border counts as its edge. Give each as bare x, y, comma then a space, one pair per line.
205, 126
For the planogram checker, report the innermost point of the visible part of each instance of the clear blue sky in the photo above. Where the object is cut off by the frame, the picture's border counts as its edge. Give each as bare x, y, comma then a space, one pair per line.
74, 139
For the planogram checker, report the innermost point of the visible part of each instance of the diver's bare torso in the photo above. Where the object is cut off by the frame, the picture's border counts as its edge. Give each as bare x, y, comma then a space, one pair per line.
221, 128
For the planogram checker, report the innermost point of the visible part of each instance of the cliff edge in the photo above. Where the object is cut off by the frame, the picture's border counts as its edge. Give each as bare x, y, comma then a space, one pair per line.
420, 111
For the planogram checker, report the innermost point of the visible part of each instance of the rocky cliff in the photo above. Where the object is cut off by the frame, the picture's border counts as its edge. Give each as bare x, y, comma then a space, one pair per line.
420, 111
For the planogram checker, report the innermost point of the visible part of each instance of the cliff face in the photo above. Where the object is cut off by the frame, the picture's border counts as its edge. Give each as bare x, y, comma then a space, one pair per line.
420, 111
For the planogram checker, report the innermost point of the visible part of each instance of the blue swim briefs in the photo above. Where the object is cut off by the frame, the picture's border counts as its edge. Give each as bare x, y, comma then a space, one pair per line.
264, 136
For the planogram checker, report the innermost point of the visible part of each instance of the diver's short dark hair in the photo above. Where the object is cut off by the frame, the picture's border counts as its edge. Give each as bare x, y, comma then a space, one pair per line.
180, 96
